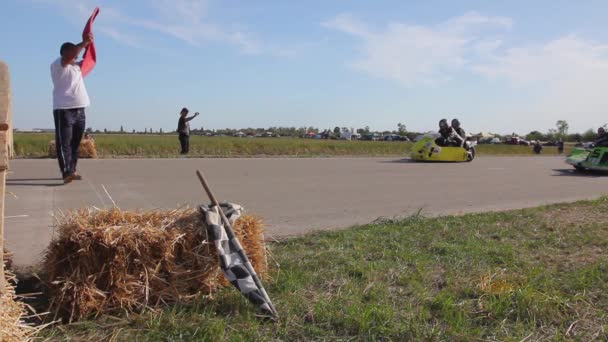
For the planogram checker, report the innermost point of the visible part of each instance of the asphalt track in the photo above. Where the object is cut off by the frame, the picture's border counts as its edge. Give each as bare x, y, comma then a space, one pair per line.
294, 196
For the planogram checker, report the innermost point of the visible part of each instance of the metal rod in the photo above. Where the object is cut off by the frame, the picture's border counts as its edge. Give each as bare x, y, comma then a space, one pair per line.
230, 233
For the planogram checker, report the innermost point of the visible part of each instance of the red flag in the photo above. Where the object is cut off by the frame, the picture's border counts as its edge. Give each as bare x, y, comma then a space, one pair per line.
90, 56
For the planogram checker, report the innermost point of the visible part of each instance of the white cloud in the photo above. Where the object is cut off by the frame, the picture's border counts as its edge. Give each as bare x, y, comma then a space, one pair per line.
413, 54
123, 38
185, 20
562, 78
571, 72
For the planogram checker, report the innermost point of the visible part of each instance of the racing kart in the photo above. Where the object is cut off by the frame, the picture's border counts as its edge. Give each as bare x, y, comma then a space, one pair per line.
595, 159
426, 149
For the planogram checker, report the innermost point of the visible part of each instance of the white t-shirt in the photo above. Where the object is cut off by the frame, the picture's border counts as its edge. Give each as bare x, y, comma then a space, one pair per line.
69, 90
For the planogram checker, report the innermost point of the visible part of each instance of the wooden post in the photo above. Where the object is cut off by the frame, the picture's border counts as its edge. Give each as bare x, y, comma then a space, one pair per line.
6, 152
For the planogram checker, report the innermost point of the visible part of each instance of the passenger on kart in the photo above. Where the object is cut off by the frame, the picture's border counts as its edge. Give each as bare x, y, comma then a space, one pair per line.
602, 138
460, 134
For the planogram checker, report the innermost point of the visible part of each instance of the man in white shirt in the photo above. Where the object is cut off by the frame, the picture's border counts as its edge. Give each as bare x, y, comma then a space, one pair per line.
70, 99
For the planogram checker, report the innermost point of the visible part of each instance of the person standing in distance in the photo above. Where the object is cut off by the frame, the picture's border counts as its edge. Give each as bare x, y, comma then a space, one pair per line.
70, 98
183, 129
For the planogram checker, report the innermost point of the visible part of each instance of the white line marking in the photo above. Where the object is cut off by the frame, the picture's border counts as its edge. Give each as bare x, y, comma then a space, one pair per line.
16, 216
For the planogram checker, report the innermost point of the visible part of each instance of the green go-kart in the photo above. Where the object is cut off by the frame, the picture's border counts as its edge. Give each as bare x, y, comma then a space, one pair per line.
595, 159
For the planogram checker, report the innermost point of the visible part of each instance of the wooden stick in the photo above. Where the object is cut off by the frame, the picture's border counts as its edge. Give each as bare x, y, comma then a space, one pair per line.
230, 233
2, 190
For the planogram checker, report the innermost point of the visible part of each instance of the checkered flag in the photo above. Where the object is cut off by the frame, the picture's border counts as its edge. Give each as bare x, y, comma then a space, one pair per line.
233, 260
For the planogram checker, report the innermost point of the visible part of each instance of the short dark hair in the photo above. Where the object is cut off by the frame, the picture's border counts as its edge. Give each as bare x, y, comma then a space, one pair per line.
184, 110
65, 47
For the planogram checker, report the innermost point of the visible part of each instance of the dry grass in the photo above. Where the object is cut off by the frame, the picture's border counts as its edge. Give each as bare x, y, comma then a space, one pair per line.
107, 261
87, 149
537, 274
12, 313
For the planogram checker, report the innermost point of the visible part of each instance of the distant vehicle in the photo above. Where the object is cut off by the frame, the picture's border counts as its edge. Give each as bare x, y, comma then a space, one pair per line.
268, 135
349, 134
517, 141
395, 137
550, 143
371, 137
239, 134
435, 135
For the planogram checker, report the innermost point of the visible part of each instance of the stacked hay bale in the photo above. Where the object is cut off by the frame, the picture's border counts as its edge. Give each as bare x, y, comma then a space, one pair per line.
12, 311
87, 149
12, 327
107, 261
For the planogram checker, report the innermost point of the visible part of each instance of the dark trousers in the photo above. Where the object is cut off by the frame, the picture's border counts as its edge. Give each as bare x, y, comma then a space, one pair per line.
69, 128
184, 140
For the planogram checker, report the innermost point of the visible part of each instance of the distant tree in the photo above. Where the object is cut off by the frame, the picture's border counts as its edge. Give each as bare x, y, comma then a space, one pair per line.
575, 137
360, 130
589, 135
552, 134
366, 129
562, 128
161, 131
401, 129
534, 135
105, 130
89, 130
121, 129
337, 130
133, 131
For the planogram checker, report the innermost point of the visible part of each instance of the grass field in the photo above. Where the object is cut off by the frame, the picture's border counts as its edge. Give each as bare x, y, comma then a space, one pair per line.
534, 274
29, 145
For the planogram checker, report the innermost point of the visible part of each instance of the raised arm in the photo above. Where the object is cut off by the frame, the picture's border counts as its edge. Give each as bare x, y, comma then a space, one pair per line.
192, 117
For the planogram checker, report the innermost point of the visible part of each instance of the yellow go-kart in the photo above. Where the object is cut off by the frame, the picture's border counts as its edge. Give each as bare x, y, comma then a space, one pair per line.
427, 150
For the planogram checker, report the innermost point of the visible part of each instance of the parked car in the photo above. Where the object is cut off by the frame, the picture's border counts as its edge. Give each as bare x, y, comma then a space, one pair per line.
517, 141
371, 137
431, 133
395, 137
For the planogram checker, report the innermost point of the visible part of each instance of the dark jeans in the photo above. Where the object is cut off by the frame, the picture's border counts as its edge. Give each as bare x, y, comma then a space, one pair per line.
69, 128
184, 140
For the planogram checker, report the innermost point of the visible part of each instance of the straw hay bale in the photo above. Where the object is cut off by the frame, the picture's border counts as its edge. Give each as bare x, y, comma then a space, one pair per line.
107, 261
12, 311
87, 149
7, 258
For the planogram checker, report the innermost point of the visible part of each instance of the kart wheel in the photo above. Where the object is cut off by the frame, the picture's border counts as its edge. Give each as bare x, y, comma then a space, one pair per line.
471, 155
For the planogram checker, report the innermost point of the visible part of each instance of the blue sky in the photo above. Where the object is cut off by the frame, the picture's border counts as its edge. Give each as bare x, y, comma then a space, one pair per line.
497, 66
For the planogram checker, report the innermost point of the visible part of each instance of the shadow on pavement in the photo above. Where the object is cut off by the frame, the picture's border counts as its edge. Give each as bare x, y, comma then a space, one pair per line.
34, 182
398, 161
575, 173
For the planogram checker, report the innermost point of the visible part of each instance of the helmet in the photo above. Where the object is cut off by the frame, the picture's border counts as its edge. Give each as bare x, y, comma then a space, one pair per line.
601, 131
455, 123
443, 123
